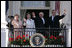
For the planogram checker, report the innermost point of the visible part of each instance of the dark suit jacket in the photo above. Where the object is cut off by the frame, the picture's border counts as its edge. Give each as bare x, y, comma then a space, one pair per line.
35, 21
55, 23
40, 22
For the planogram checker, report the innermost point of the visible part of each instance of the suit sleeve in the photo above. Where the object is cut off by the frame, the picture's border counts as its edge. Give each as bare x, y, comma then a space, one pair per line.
60, 17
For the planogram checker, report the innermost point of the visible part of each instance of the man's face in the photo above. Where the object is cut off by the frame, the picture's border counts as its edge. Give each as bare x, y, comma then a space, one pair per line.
41, 15
33, 13
53, 13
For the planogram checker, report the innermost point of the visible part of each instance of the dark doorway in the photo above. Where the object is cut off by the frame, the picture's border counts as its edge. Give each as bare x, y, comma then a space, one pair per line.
45, 11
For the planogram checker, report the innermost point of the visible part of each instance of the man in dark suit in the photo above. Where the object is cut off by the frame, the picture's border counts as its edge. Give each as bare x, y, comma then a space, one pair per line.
54, 22
41, 23
34, 17
41, 20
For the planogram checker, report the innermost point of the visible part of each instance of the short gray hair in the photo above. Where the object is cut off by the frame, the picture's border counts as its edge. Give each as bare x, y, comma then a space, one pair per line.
41, 13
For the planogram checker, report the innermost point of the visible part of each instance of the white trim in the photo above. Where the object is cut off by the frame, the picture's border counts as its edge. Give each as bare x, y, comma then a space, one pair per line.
35, 8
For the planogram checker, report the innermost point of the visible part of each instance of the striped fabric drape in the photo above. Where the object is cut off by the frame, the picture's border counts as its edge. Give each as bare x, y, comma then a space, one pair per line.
57, 7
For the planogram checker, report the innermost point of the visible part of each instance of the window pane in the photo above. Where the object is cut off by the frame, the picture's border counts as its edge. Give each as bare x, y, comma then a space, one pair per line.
47, 3
33, 3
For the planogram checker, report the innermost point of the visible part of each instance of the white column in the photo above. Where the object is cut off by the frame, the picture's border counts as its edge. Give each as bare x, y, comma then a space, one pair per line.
68, 43
67, 19
4, 31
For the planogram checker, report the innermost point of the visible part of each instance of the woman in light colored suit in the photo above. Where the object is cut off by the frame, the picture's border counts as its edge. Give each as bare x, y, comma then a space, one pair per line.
17, 24
29, 25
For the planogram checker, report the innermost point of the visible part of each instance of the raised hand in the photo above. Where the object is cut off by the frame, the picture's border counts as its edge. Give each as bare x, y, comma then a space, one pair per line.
24, 20
64, 11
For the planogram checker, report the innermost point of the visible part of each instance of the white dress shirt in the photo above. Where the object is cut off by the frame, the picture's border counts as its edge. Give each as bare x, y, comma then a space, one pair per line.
43, 20
52, 18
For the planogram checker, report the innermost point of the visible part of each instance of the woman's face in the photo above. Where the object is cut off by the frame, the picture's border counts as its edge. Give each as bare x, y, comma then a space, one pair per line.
28, 16
16, 17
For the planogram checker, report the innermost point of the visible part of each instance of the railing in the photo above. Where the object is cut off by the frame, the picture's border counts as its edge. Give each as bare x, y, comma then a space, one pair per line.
54, 37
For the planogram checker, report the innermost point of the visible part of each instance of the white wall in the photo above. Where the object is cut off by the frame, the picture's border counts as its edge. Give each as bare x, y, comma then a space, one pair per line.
67, 19
66, 5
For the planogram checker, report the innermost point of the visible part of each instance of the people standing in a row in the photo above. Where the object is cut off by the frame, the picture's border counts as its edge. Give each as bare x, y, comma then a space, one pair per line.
38, 22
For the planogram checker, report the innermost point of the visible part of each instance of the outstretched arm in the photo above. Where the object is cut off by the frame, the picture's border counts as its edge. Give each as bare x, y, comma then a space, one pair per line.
62, 16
